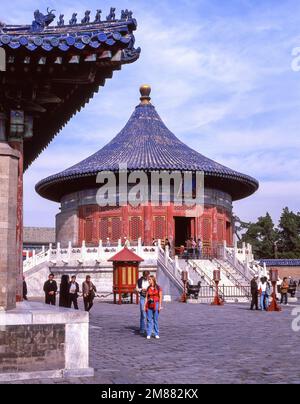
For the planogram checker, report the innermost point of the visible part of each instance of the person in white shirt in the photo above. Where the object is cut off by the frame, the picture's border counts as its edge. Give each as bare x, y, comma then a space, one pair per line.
142, 287
73, 293
127, 243
262, 289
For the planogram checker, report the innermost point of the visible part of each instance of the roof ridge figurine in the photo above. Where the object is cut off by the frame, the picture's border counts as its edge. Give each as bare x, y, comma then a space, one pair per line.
98, 16
87, 17
126, 15
61, 21
112, 15
42, 21
73, 20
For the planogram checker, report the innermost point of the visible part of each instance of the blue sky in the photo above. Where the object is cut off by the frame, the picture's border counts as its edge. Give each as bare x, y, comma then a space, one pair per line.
222, 81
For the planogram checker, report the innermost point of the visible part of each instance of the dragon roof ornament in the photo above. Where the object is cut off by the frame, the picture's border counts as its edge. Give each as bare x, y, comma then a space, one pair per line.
42, 21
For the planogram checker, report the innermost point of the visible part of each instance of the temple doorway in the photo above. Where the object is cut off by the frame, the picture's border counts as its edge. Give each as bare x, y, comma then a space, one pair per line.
183, 230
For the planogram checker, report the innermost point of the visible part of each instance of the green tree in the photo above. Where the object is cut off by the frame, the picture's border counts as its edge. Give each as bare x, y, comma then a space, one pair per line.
263, 236
289, 235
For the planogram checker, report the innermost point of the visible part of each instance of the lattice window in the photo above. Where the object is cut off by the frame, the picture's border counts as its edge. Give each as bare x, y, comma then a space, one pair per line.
135, 228
160, 228
89, 230
220, 230
207, 230
116, 228
104, 229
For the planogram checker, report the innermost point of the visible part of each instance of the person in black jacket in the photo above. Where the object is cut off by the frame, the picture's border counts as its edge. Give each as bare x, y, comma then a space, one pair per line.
64, 298
25, 291
50, 289
254, 293
73, 293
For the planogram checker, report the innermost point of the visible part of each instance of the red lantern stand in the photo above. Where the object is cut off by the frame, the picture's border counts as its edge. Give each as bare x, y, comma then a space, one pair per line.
217, 278
125, 274
274, 277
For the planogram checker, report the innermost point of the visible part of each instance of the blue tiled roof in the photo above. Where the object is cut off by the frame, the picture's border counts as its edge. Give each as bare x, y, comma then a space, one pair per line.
146, 143
91, 33
65, 63
281, 262
68, 38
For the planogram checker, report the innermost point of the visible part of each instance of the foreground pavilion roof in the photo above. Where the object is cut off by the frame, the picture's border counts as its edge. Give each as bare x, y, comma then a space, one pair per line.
52, 71
126, 255
146, 144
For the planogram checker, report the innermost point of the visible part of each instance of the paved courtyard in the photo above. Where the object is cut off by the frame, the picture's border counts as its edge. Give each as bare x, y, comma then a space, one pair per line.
199, 344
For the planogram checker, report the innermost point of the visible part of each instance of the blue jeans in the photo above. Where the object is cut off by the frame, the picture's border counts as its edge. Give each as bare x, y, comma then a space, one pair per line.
262, 300
143, 314
267, 301
152, 316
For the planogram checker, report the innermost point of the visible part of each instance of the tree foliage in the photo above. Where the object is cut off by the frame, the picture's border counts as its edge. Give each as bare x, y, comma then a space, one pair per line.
269, 241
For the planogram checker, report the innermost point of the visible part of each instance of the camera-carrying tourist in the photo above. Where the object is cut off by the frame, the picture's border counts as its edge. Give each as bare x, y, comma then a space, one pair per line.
153, 306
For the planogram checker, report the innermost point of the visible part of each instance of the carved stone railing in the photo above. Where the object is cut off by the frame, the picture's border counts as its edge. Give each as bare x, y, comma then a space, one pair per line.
242, 260
170, 266
197, 274
242, 288
84, 255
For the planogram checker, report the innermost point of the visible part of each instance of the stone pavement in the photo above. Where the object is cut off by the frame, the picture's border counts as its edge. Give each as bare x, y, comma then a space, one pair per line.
199, 344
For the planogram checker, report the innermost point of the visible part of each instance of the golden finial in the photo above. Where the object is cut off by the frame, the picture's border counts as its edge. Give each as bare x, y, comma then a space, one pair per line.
145, 91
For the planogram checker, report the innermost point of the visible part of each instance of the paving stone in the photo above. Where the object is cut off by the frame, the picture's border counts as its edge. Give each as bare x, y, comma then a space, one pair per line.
199, 344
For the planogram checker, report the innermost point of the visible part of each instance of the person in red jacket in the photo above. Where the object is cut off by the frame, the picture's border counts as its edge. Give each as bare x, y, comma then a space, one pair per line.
153, 307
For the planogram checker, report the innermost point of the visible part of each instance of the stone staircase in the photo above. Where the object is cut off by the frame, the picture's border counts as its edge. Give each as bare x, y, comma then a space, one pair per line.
229, 288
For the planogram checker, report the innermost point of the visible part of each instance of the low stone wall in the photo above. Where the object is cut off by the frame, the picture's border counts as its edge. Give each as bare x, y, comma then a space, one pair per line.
102, 276
18, 352
287, 271
39, 341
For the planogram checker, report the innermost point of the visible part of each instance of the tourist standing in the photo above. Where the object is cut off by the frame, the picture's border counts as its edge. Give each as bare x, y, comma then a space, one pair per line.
284, 288
254, 293
89, 293
268, 294
153, 306
64, 292
262, 288
73, 293
194, 246
292, 287
199, 248
25, 290
189, 247
50, 289
168, 244
127, 243
142, 288
154, 242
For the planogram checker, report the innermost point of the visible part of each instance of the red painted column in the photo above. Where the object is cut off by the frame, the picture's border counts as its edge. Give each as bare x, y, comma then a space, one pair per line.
170, 224
148, 224
18, 145
125, 218
199, 227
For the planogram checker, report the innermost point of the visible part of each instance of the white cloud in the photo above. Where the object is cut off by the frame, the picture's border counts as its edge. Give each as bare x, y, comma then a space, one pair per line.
272, 197
221, 80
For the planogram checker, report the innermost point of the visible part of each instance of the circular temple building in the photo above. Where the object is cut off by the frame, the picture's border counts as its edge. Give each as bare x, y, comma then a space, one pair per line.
146, 144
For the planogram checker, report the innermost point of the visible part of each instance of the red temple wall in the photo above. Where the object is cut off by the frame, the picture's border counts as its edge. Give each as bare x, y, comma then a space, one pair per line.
213, 226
